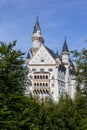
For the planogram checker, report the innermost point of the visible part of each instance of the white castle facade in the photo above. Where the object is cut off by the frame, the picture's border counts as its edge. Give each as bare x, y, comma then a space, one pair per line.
51, 74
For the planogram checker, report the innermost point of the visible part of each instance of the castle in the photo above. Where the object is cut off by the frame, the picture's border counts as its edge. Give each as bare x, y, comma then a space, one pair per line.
51, 74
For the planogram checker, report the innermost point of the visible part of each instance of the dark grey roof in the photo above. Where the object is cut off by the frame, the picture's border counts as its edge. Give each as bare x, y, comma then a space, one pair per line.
62, 68
51, 52
57, 54
37, 26
28, 55
65, 47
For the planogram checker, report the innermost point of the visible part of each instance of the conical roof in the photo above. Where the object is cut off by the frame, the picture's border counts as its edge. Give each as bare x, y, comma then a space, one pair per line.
37, 26
65, 47
57, 54
28, 55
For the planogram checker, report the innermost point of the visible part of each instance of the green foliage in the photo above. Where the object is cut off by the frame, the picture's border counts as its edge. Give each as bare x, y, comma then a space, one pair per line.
80, 104
18, 112
12, 71
80, 59
12, 81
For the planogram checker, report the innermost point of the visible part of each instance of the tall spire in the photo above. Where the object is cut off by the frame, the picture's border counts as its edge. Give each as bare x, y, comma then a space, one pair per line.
37, 39
37, 34
65, 47
57, 54
28, 55
37, 26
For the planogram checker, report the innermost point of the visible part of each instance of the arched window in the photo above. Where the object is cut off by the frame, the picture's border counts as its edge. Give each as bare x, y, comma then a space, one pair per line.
47, 91
35, 84
41, 91
34, 76
40, 84
44, 91
43, 76
46, 84
43, 84
46, 76
40, 76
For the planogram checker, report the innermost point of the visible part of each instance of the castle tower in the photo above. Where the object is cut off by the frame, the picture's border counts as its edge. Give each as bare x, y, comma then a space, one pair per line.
65, 61
37, 38
65, 53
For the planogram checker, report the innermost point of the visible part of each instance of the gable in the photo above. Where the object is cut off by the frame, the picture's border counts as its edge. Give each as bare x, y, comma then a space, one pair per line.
42, 57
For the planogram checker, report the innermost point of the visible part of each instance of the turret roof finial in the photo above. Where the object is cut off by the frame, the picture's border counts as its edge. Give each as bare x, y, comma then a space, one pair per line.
37, 25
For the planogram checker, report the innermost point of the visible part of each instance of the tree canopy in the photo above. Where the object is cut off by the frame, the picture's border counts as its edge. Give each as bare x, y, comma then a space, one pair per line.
12, 71
80, 59
19, 112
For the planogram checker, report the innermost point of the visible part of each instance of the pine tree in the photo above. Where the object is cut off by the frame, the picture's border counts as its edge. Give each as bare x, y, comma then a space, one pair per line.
12, 85
80, 101
80, 59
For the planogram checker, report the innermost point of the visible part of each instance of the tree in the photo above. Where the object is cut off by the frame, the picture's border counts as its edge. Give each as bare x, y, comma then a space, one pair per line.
12, 70
80, 101
80, 113
12, 85
80, 59
19, 112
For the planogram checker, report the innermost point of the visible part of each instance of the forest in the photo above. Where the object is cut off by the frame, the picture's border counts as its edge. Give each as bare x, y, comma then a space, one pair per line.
20, 112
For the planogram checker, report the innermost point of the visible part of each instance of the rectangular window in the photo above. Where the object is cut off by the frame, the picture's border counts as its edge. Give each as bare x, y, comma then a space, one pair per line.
42, 59
50, 69
52, 85
41, 70
33, 69
52, 77
52, 92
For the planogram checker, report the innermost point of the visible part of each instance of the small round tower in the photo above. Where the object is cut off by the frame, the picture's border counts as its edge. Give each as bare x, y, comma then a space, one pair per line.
37, 38
65, 53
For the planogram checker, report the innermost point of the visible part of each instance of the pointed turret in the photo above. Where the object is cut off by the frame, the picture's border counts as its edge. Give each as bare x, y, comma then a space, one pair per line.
65, 53
65, 47
37, 26
57, 54
28, 55
37, 39
58, 61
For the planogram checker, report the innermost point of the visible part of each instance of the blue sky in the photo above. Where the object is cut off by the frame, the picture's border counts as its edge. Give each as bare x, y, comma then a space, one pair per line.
58, 18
